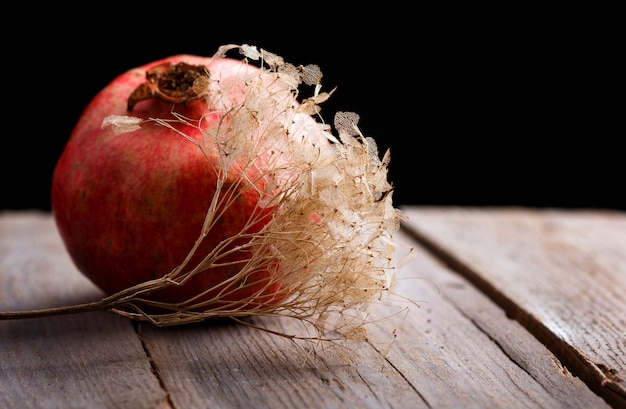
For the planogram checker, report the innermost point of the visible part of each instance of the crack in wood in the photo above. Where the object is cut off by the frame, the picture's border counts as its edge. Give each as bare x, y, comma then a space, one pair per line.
153, 366
573, 359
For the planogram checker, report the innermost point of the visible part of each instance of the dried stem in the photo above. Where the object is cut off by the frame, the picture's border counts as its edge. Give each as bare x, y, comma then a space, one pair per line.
49, 312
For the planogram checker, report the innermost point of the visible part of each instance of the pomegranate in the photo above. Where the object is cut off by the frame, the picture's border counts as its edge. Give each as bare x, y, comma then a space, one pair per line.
204, 185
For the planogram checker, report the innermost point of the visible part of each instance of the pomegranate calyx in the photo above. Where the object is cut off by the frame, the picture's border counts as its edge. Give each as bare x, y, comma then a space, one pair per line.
177, 83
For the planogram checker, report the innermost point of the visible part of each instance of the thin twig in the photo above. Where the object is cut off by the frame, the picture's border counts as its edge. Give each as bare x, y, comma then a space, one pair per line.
101, 305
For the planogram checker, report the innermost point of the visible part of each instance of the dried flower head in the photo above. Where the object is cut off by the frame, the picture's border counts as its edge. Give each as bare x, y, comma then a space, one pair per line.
324, 201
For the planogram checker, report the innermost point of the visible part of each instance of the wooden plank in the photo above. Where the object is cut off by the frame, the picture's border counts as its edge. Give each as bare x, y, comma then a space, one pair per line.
442, 357
470, 344
457, 349
92, 360
562, 274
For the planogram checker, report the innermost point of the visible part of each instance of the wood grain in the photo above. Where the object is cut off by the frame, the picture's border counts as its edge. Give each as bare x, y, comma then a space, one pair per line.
92, 360
440, 358
452, 347
561, 274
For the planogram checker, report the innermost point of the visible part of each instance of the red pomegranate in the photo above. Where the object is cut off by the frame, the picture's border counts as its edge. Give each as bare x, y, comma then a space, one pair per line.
131, 205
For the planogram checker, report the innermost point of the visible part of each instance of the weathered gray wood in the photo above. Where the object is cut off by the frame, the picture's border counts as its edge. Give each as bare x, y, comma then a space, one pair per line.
232, 366
469, 344
457, 349
440, 358
562, 274
92, 360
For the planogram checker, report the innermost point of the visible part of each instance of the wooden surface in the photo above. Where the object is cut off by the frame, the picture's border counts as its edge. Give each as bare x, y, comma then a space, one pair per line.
516, 308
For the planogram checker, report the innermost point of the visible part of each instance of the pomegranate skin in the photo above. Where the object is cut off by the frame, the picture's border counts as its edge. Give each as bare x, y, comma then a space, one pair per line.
130, 206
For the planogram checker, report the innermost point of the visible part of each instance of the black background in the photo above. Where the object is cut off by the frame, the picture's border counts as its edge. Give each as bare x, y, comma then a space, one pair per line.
512, 108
